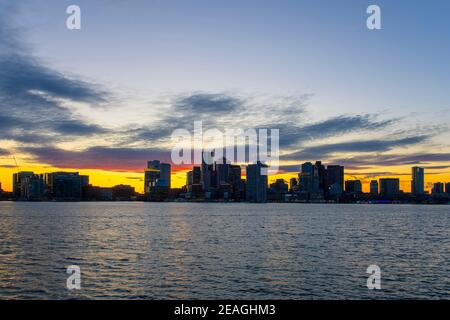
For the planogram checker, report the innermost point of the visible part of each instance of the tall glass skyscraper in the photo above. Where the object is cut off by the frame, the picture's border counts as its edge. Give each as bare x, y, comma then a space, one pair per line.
418, 180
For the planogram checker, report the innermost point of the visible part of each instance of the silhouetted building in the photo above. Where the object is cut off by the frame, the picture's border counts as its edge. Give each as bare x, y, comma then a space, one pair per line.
353, 186
374, 187
94, 193
278, 190
157, 180
438, 188
293, 185
189, 180
123, 192
193, 182
447, 187
256, 184
17, 182
319, 177
207, 171
238, 187
335, 178
418, 180
306, 178
64, 185
32, 187
389, 187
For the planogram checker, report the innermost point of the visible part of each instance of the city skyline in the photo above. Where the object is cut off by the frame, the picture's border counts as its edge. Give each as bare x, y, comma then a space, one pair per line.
220, 179
77, 101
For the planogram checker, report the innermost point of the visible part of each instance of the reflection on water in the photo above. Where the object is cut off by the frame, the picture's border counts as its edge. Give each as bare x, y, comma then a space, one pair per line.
223, 251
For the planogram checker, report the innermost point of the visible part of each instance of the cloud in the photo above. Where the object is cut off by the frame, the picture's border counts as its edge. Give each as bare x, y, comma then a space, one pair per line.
207, 103
363, 162
367, 146
32, 94
103, 158
77, 128
333, 127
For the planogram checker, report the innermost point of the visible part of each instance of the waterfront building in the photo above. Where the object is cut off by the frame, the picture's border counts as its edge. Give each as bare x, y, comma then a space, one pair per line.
123, 192
32, 187
306, 178
65, 185
374, 187
418, 180
17, 182
293, 185
157, 177
389, 187
319, 178
256, 184
438, 188
207, 171
335, 177
353, 186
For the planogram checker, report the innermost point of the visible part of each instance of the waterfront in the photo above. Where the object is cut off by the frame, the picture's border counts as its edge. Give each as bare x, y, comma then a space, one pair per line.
223, 250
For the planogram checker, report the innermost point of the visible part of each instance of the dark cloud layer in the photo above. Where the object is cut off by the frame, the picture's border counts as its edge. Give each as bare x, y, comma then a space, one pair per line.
104, 158
325, 151
336, 126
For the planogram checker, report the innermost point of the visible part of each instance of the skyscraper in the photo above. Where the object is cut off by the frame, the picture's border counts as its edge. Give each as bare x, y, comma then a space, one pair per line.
223, 172
207, 170
447, 187
157, 177
418, 180
306, 177
374, 187
32, 187
17, 182
335, 177
256, 185
389, 187
319, 177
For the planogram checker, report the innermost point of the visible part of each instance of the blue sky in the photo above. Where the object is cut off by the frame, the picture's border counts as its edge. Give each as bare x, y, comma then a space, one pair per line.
311, 65
319, 47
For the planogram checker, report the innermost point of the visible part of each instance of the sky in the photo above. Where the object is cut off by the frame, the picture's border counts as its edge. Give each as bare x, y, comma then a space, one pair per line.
105, 99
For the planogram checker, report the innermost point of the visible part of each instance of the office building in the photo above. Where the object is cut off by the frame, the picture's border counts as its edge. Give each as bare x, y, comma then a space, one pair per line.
157, 177
65, 185
306, 178
389, 187
293, 185
32, 187
319, 177
207, 169
418, 180
374, 187
353, 186
17, 182
256, 184
438, 188
335, 178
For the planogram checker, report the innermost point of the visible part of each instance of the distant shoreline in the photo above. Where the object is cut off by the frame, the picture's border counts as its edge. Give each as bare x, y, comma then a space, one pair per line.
228, 202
